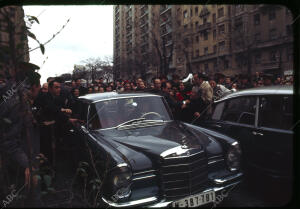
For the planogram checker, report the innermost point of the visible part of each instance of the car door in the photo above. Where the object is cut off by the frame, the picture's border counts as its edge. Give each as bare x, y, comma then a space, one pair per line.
236, 117
274, 134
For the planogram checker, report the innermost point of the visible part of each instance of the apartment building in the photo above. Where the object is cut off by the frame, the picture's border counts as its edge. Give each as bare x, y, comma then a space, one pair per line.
150, 40
143, 40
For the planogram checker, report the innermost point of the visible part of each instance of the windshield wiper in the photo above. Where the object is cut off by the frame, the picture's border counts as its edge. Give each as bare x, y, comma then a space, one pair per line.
131, 121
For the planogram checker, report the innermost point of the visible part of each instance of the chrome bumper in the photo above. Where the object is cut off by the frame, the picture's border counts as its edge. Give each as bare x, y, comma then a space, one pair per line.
152, 201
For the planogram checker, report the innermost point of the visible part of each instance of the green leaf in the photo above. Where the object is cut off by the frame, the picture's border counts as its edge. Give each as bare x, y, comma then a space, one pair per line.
31, 35
47, 180
42, 48
35, 19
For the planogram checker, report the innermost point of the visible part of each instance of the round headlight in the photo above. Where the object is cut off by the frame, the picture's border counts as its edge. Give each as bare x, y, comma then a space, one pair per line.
122, 179
233, 157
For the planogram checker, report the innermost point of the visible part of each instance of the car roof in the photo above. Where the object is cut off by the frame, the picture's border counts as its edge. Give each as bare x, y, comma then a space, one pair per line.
94, 97
264, 90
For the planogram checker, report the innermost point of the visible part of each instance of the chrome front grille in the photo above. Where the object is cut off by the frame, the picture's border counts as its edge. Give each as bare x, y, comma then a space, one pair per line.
184, 175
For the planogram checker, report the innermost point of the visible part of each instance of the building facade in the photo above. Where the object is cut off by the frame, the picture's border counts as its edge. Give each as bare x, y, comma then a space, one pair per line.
13, 38
150, 40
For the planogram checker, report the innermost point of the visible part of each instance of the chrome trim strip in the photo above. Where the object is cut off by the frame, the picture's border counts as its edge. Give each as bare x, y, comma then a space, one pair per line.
130, 203
183, 164
100, 100
229, 178
143, 177
215, 161
122, 165
213, 157
143, 172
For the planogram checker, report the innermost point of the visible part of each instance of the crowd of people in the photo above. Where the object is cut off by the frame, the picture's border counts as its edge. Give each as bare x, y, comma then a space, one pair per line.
40, 115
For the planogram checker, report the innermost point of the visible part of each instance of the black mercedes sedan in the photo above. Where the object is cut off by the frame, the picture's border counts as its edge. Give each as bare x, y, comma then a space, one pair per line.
149, 159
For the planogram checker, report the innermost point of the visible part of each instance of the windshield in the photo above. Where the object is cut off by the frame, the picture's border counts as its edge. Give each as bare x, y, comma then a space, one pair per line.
115, 112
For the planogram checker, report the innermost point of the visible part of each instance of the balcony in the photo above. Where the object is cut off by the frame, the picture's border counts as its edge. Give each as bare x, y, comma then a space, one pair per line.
169, 42
165, 32
143, 14
270, 65
204, 26
164, 21
165, 8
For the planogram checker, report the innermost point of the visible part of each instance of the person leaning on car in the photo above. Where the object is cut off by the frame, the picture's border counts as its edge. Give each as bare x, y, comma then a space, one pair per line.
54, 116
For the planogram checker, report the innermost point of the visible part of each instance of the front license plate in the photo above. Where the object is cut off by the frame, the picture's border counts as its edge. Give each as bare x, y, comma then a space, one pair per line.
196, 200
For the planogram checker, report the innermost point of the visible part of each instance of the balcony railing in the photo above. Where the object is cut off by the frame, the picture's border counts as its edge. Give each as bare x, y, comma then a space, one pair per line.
204, 26
271, 64
165, 21
165, 9
144, 14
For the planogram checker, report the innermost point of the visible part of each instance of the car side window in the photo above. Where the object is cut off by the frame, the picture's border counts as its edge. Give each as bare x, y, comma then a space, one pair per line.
276, 111
218, 110
240, 110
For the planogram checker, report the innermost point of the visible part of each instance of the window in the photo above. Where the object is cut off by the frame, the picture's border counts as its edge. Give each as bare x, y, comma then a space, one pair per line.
205, 35
222, 46
273, 56
205, 50
196, 24
214, 34
215, 65
238, 23
204, 20
272, 34
226, 64
272, 15
289, 30
197, 53
196, 10
206, 67
239, 8
197, 39
257, 37
215, 48
218, 110
256, 19
240, 110
185, 14
289, 55
221, 29
191, 11
221, 12
282, 106
185, 26
214, 18
257, 58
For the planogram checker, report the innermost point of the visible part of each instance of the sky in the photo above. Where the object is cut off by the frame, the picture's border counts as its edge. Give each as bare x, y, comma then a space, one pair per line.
88, 34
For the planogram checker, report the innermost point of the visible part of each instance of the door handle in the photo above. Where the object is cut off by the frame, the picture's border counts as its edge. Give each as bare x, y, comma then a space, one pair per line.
257, 133
217, 126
